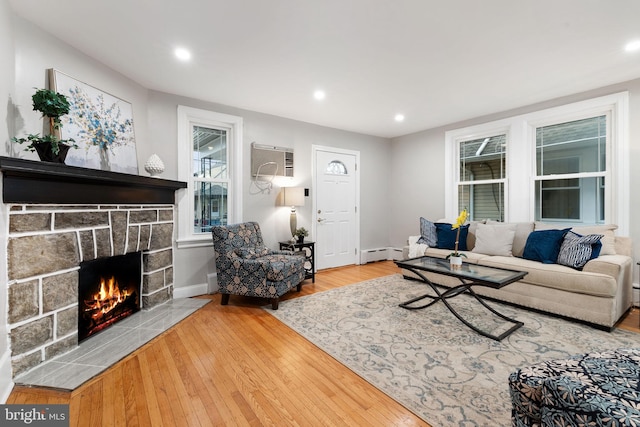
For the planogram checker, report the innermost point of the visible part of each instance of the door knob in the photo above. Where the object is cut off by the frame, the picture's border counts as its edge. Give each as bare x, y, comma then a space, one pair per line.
320, 219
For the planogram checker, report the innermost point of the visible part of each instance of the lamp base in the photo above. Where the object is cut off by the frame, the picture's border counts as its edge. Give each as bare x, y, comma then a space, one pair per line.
293, 222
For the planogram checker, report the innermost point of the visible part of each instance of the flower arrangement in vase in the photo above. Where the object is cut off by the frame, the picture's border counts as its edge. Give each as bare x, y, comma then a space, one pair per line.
455, 257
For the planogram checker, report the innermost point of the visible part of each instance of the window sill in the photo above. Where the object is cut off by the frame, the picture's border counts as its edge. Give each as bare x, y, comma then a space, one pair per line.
195, 242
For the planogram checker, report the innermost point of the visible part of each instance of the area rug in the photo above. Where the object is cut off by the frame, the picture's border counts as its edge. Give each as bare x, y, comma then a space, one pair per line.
427, 360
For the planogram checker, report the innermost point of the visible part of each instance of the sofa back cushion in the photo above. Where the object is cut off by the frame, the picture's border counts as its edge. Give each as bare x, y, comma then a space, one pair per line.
523, 229
608, 231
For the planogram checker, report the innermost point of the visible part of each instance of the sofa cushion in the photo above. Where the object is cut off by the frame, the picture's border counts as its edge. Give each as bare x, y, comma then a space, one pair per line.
494, 239
428, 235
557, 276
447, 236
544, 245
523, 229
471, 235
470, 257
608, 240
608, 230
576, 250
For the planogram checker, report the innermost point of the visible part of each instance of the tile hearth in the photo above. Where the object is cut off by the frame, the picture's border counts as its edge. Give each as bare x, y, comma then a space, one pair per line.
106, 348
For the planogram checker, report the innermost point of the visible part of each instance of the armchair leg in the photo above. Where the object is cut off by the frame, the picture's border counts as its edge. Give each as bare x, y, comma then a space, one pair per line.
225, 299
274, 303
299, 288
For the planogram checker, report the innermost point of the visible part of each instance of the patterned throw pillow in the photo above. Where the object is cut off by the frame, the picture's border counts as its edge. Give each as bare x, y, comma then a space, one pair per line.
428, 235
576, 250
252, 253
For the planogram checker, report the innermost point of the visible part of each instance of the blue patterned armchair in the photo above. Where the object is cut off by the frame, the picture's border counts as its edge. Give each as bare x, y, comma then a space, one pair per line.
247, 267
594, 389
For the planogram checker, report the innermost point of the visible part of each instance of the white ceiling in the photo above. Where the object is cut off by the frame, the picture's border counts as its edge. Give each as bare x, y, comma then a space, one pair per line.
435, 61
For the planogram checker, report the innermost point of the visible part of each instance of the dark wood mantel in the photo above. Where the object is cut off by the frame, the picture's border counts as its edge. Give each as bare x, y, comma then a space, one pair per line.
28, 181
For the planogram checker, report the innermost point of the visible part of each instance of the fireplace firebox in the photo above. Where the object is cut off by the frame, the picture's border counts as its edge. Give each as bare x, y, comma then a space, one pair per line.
108, 291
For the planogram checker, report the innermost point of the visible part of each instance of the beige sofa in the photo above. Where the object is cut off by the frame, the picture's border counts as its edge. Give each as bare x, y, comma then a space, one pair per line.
599, 294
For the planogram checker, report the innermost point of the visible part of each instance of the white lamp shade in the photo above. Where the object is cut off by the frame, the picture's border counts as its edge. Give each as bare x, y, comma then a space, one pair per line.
293, 196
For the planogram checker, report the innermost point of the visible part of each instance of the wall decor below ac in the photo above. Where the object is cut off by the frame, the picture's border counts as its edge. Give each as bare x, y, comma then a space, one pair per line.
100, 123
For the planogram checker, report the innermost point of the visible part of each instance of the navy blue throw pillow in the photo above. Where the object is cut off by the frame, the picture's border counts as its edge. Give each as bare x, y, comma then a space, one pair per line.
544, 245
447, 236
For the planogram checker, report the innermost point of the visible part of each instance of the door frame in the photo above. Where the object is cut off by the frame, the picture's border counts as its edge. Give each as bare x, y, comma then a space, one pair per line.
314, 186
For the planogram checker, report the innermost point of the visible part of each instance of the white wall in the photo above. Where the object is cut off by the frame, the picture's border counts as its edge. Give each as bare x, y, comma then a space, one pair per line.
6, 121
192, 265
35, 52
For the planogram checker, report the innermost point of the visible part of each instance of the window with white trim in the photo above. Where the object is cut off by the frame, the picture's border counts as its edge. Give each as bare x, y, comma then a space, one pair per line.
570, 166
209, 160
566, 164
482, 175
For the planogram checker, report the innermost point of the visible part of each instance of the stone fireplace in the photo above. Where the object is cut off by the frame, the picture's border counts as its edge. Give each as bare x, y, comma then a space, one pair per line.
61, 216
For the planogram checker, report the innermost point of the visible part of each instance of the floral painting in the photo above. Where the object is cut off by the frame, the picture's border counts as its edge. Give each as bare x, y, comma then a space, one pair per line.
100, 123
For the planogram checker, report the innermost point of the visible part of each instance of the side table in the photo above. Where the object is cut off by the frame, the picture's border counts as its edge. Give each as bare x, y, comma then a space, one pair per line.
309, 254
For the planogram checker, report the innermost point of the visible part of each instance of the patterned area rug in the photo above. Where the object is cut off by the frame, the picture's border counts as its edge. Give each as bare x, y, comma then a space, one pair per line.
427, 360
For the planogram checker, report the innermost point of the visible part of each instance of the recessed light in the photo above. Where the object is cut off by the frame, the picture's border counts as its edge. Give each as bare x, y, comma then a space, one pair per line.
399, 118
632, 46
182, 54
319, 95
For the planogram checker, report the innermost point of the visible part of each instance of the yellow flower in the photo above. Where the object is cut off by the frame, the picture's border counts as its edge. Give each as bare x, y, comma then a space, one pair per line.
461, 220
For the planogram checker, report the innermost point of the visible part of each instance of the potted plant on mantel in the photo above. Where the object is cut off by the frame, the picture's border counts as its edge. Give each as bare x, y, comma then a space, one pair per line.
50, 148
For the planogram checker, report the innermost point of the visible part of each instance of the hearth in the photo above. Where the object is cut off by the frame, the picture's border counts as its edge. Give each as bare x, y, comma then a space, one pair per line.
108, 291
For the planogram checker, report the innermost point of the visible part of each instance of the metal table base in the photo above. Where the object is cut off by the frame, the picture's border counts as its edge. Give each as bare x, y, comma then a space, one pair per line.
464, 287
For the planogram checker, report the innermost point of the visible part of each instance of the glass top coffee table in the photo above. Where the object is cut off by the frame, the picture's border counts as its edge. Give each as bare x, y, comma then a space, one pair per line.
470, 275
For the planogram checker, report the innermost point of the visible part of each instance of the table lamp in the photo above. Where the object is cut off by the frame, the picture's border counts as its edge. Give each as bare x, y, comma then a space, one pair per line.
293, 196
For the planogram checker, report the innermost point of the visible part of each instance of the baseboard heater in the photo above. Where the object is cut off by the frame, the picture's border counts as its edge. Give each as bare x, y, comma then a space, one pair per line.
380, 254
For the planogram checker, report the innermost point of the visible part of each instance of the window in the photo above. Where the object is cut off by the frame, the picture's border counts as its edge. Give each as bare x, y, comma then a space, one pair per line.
336, 167
482, 173
568, 164
210, 178
209, 160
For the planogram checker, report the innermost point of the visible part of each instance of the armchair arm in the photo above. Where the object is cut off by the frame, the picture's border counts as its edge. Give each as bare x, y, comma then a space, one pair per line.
286, 252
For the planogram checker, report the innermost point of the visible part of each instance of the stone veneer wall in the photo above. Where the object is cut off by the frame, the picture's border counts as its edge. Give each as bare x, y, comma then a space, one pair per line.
46, 244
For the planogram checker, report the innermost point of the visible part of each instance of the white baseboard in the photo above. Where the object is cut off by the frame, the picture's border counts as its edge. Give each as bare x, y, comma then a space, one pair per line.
380, 254
190, 291
395, 254
6, 382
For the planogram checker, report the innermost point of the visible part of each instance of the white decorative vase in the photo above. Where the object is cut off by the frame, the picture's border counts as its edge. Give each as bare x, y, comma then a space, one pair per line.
154, 165
455, 261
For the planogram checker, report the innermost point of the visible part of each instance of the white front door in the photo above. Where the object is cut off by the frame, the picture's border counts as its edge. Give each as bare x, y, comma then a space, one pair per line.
336, 222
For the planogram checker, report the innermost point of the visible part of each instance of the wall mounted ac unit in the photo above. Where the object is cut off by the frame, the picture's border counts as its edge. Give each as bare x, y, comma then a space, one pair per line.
267, 160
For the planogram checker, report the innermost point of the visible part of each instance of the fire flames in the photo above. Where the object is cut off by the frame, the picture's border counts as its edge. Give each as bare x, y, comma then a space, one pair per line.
106, 299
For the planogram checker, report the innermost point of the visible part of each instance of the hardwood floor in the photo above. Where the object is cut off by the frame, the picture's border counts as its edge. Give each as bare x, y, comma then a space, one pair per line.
236, 365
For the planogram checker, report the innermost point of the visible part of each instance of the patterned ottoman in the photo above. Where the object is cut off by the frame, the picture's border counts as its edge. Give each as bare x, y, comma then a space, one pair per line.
594, 389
